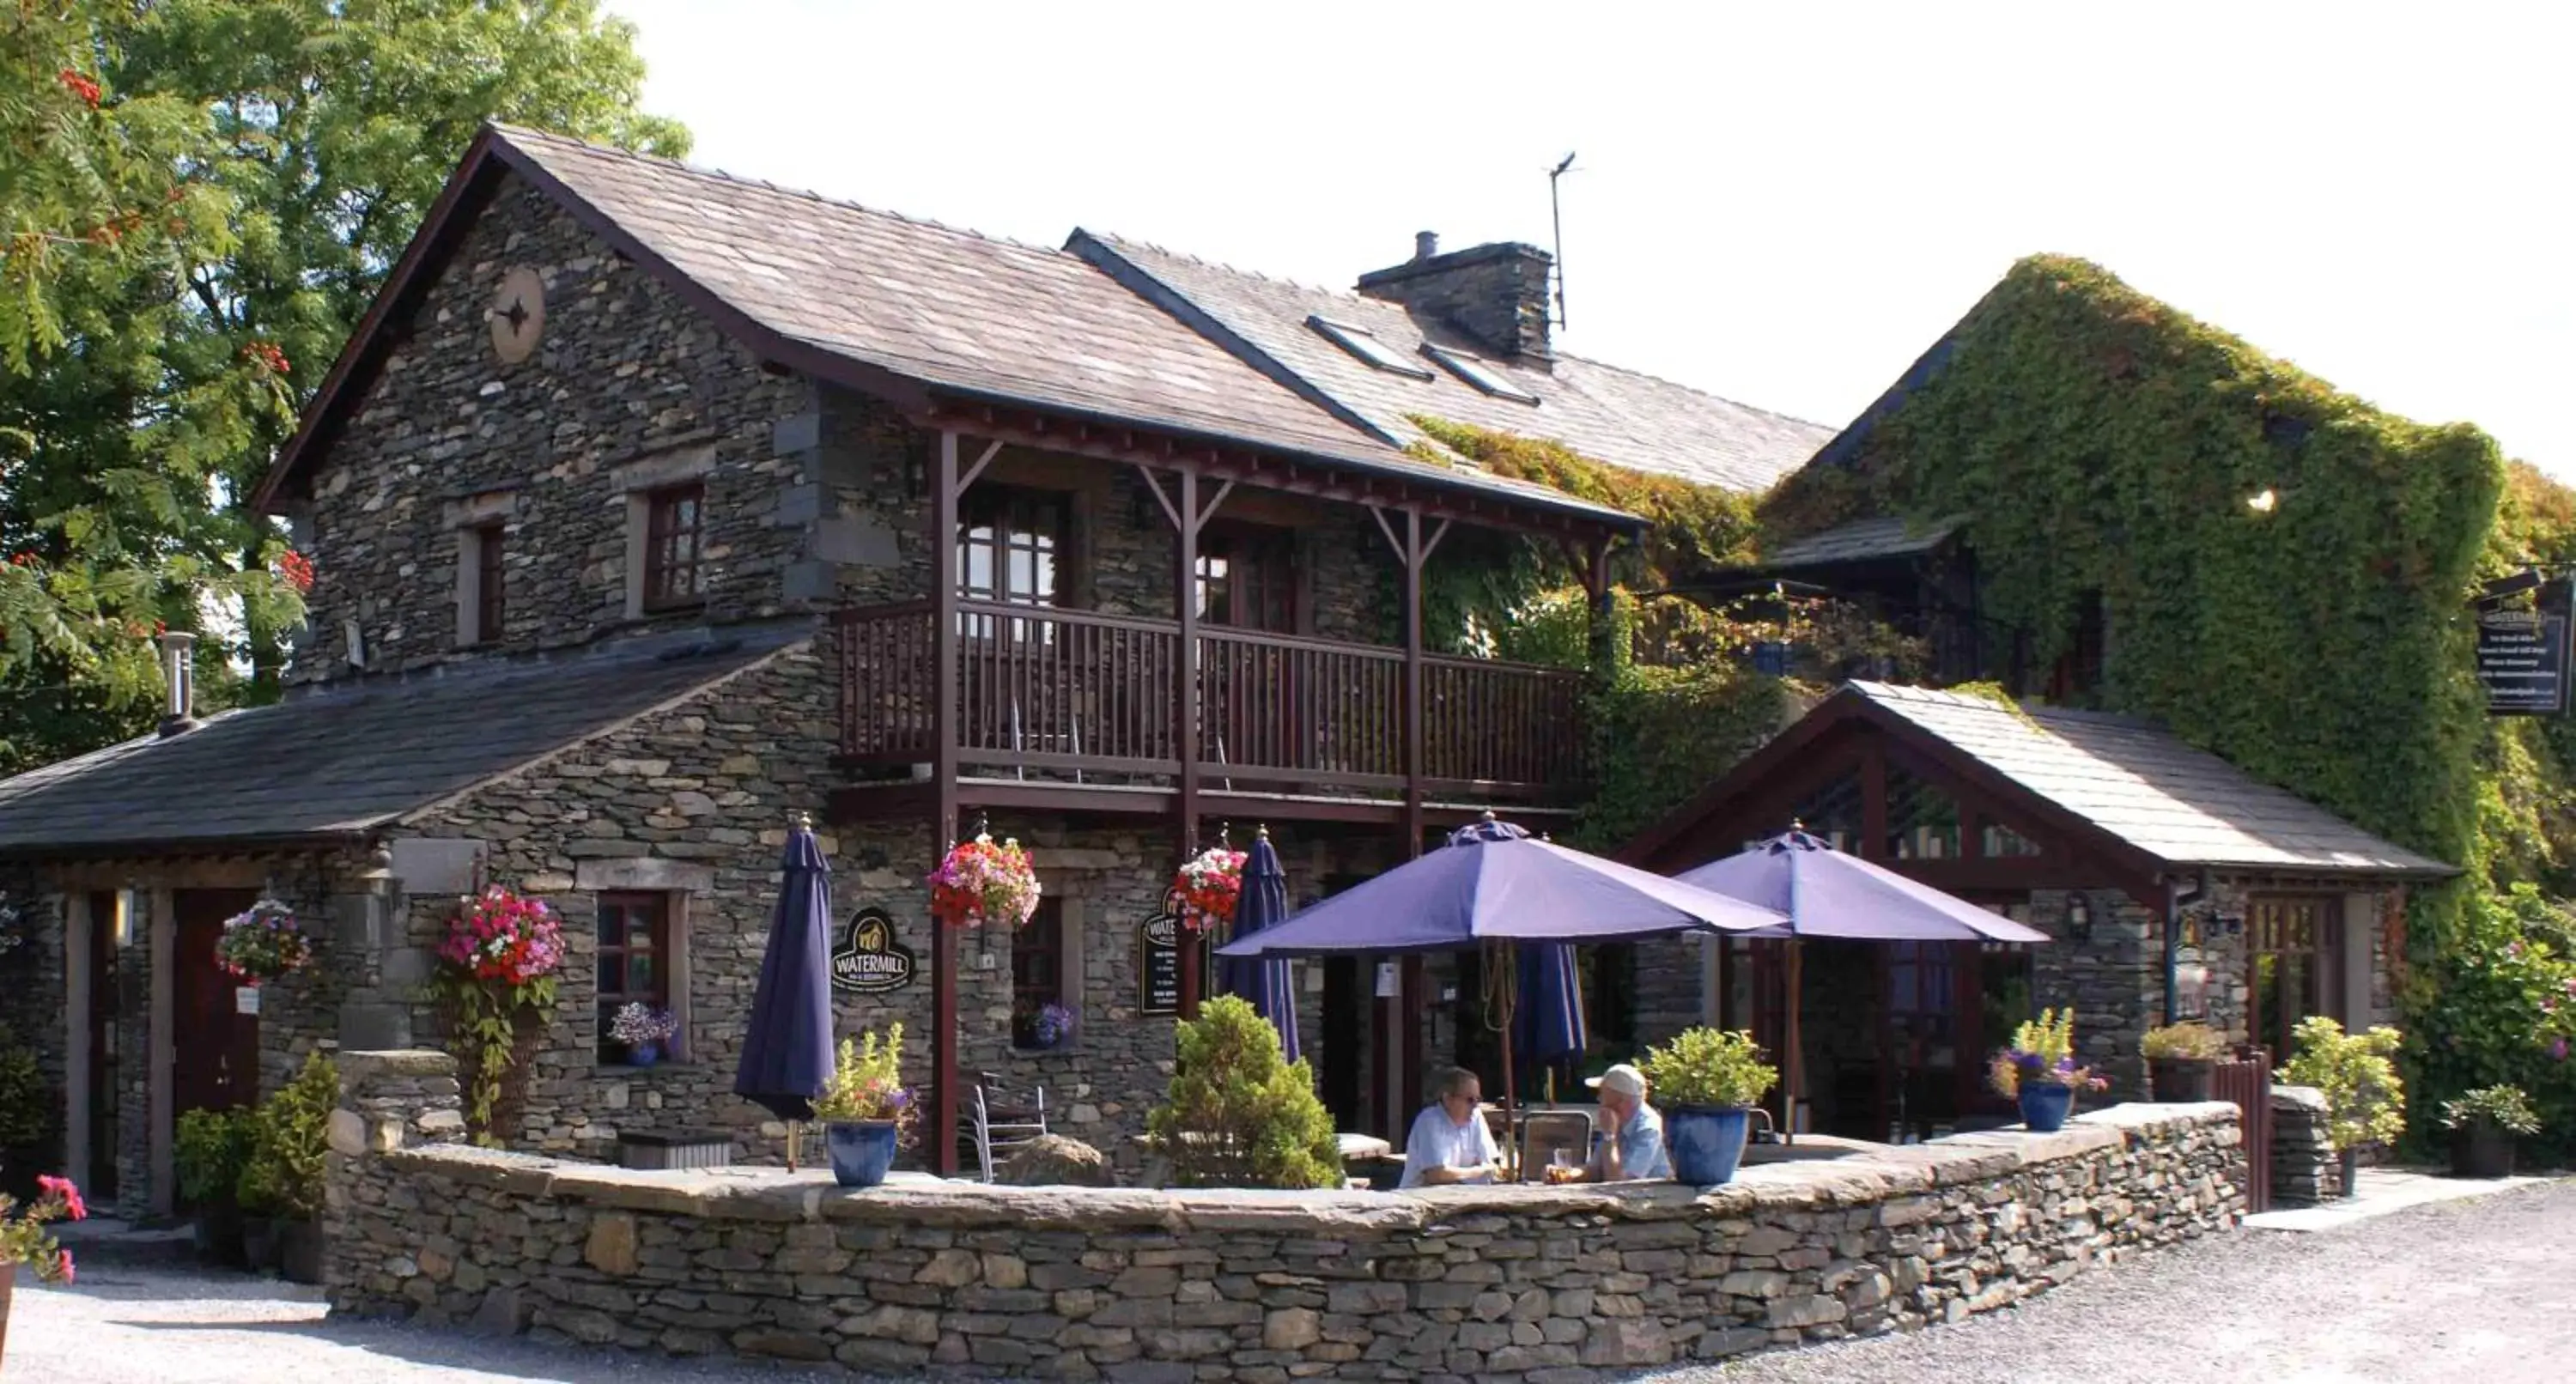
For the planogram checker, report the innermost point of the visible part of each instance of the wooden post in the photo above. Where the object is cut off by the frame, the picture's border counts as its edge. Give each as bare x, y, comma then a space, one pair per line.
944, 737
1185, 708
1414, 1000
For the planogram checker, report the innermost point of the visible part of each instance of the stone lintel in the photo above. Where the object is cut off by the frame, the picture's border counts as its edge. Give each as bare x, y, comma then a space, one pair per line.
642, 873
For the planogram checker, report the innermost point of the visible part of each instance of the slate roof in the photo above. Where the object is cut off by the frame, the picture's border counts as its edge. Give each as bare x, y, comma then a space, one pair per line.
1862, 540
2184, 806
340, 761
955, 309
1608, 414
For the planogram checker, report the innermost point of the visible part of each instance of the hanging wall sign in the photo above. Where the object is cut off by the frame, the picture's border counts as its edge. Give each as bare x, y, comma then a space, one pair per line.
2522, 657
868, 960
1158, 959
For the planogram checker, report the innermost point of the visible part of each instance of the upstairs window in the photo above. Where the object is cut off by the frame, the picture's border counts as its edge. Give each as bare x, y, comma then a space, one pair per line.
1246, 579
675, 518
1011, 548
1360, 343
1488, 378
490, 586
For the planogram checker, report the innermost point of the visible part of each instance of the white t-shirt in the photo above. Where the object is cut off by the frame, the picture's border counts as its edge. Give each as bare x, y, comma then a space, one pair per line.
1437, 1143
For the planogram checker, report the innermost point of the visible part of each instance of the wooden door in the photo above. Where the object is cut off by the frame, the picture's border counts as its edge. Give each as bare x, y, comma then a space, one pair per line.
216, 1047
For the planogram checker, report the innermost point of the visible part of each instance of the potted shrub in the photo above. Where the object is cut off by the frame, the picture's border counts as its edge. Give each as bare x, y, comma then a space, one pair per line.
2483, 1124
864, 1108
644, 1030
2357, 1072
281, 1185
210, 1152
1707, 1083
2179, 1059
2039, 1073
1238, 1113
24, 1240
1043, 1027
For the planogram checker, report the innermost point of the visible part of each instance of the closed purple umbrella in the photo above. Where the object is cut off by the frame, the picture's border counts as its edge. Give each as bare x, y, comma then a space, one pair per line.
787, 1055
1264, 981
1829, 893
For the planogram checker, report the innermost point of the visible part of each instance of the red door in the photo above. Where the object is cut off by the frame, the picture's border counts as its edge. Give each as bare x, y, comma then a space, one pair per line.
217, 1047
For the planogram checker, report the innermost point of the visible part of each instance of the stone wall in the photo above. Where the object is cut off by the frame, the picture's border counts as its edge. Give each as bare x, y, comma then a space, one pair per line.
2305, 1169
625, 377
2114, 978
1518, 1283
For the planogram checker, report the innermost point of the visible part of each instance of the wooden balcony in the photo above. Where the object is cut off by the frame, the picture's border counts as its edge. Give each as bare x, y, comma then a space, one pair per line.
1079, 700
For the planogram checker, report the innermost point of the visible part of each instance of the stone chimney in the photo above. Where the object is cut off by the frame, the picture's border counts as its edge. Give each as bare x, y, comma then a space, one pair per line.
179, 677
1496, 294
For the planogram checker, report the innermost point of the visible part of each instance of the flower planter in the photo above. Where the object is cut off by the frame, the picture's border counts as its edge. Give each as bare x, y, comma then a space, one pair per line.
2348, 1169
2481, 1149
861, 1151
218, 1234
299, 1251
2045, 1106
2180, 1079
1706, 1142
643, 1054
259, 1243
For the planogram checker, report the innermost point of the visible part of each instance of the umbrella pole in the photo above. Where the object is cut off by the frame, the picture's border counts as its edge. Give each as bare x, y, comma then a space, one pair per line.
794, 1128
1797, 1065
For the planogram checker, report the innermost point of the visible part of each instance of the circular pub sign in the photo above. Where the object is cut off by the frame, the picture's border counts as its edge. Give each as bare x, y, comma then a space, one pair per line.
868, 960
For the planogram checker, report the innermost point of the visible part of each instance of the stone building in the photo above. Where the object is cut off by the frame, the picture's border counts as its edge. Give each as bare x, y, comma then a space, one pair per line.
2172, 885
648, 507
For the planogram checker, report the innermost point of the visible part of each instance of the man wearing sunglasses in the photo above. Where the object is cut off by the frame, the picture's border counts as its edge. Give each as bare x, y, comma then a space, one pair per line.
1450, 1143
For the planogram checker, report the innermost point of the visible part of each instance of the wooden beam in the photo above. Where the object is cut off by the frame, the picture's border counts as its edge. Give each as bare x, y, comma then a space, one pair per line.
1160, 498
977, 469
944, 740
1185, 704
1414, 999
1219, 499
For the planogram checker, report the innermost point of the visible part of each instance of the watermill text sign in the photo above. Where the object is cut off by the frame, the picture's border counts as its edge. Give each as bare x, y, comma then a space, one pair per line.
868, 961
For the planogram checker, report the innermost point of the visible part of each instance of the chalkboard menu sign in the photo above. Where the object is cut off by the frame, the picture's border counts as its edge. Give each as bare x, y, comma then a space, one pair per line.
1158, 959
2522, 657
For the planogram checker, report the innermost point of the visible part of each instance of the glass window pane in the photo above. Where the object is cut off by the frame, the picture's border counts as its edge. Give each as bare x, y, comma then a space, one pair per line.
639, 974
612, 971
639, 930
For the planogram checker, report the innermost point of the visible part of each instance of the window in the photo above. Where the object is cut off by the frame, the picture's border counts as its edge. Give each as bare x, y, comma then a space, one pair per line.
634, 959
1479, 374
1037, 969
1246, 578
675, 517
1360, 343
1010, 550
489, 584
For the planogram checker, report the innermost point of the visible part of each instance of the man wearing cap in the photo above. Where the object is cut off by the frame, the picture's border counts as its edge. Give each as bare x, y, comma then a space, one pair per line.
1628, 1136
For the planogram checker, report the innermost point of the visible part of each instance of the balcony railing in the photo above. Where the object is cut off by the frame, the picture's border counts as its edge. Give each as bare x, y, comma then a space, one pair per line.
1086, 697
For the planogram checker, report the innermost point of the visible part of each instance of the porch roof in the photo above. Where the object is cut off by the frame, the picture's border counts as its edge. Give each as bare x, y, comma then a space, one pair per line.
338, 762
2134, 791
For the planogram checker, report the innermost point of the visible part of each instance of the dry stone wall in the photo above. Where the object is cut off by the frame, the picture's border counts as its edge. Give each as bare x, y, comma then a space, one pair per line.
1536, 1284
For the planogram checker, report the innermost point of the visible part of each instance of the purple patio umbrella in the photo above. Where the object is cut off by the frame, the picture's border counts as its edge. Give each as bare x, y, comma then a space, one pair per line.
1264, 980
1830, 893
787, 1055
1495, 883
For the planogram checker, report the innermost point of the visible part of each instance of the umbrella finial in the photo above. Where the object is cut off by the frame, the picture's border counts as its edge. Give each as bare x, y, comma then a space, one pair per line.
1261, 832
983, 825
800, 820
1489, 816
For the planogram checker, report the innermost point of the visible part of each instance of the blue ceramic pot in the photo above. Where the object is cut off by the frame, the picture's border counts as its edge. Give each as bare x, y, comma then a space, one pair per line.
643, 1054
2045, 1106
1706, 1142
861, 1151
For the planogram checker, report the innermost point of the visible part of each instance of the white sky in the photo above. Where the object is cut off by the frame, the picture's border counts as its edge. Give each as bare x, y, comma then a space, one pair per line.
1782, 204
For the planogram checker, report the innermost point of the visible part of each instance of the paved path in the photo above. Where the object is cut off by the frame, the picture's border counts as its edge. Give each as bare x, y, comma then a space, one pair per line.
2480, 1291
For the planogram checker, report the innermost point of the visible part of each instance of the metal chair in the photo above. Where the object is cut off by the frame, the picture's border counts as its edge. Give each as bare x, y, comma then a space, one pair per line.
1003, 1128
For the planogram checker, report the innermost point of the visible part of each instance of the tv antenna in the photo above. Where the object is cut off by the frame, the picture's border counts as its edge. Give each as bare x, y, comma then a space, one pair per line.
1556, 217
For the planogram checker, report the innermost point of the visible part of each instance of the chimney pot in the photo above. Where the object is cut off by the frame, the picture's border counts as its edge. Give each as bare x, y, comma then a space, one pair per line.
179, 679
1425, 244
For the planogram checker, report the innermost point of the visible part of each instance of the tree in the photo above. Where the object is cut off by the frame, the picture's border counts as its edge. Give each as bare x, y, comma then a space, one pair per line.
1238, 1114
216, 191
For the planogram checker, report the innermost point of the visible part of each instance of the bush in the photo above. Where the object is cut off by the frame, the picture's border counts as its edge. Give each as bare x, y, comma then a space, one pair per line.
27, 1123
290, 1136
1710, 1068
2505, 1107
2365, 1100
213, 1147
1238, 1114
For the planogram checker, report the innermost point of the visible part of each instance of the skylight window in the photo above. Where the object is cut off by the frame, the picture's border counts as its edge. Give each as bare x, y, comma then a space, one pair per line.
1358, 342
1477, 373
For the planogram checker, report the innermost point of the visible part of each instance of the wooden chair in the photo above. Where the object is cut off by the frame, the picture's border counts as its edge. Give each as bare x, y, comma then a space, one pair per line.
997, 1128
1546, 1131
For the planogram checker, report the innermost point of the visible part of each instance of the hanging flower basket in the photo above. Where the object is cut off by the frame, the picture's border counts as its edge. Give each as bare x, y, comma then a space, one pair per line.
496, 977
503, 938
1208, 885
980, 883
261, 943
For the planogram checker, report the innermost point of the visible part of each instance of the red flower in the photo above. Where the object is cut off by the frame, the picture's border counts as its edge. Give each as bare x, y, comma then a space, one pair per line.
80, 86
65, 1265
266, 355
62, 1187
296, 570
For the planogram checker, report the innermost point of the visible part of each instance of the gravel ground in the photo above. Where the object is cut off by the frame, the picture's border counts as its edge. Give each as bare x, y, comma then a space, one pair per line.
2481, 1291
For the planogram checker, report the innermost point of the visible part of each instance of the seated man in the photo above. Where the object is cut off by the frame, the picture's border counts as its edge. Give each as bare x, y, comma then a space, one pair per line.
1628, 1136
1450, 1142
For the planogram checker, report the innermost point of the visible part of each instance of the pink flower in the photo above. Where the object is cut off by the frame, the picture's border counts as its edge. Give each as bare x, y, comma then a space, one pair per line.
63, 1265
2558, 1048
62, 1187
